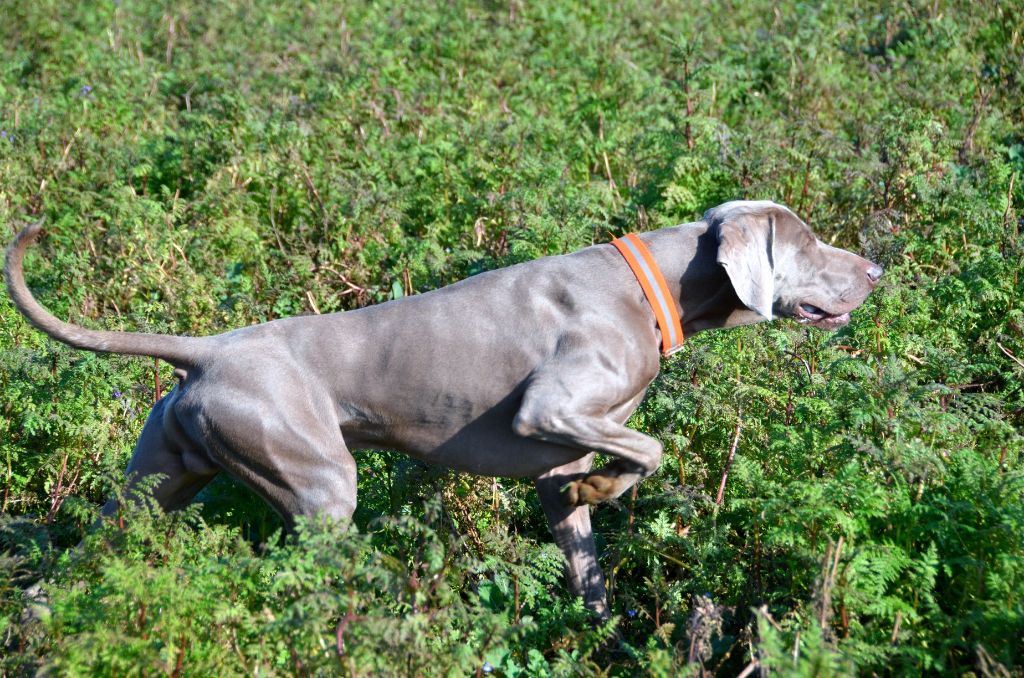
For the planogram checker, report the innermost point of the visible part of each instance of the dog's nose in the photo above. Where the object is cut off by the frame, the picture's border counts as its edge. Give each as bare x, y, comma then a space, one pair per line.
874, 273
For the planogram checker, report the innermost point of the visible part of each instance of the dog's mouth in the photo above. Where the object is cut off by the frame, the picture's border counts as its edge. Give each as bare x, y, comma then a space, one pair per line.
809, 314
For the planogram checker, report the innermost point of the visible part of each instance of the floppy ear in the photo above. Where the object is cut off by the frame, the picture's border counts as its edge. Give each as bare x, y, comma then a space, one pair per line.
746, 248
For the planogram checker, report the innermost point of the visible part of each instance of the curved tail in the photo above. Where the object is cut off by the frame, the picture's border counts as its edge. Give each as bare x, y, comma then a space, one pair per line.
178, 351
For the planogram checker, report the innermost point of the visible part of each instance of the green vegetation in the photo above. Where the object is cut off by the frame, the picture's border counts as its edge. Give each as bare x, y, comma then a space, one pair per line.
202, 166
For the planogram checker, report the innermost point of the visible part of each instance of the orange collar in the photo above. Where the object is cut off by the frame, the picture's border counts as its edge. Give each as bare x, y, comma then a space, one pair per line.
647, 273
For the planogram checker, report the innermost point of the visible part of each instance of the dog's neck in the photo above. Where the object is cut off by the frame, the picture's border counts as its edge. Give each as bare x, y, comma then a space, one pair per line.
702, 290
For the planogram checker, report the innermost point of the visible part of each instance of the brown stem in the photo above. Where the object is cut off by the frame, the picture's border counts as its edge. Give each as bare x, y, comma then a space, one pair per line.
1009, 205
158, 391
604, 155
515, 581
968, 143
171, 35
632, 505
55, 500
181, 656
140, 621
830, 566
689, 103
896, 628
803, 190
728, 461
750, 668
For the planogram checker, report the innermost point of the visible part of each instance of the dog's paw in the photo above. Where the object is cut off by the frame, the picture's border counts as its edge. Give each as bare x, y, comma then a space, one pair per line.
590, 490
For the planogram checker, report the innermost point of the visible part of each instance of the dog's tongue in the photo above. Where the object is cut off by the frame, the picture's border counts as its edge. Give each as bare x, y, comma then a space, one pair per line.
832, 322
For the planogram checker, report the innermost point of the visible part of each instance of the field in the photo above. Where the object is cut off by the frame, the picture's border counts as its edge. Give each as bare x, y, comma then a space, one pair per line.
204, 166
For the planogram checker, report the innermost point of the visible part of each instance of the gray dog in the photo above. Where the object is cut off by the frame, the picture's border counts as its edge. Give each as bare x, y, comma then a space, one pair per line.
526, 371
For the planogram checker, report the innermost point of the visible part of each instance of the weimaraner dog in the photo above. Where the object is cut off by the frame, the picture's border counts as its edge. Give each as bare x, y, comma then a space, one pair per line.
526, 371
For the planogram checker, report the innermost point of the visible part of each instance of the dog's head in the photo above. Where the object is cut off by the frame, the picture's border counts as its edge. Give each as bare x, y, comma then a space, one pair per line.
779, 268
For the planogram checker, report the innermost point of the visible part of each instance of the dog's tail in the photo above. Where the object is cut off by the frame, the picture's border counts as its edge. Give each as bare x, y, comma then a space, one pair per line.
178, 351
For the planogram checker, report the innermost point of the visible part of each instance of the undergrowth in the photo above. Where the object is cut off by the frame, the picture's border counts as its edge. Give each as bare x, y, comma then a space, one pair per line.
204, 166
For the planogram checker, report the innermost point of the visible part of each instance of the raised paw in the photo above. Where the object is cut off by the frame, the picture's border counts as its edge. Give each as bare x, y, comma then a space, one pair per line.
590, 490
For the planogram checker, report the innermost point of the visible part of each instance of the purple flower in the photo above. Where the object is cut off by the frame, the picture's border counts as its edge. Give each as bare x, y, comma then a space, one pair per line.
631, 613
85, 90
117, 395
487, 668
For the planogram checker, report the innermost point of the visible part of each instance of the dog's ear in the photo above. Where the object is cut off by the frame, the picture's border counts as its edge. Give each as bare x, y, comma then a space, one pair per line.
746, 248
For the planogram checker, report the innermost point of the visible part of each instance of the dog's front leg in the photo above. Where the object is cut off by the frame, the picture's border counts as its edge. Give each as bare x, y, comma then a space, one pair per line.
570, 526
635, 455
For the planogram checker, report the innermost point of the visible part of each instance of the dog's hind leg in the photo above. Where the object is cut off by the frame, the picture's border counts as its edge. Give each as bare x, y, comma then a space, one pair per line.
164, 449
299, 464
570, 526
161, 449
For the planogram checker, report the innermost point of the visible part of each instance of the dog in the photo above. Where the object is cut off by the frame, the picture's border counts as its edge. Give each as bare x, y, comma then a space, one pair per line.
525, 371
